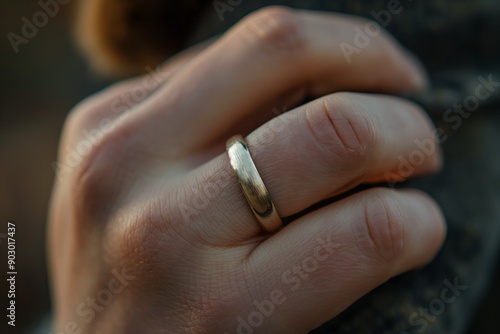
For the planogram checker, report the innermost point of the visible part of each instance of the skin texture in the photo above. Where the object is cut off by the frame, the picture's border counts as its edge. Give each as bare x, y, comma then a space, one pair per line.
150, 232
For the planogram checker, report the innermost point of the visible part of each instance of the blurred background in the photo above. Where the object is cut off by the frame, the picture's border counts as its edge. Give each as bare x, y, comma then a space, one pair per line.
39, 85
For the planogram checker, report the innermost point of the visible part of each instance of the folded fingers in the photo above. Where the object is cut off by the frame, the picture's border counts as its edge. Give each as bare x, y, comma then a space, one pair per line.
310, 154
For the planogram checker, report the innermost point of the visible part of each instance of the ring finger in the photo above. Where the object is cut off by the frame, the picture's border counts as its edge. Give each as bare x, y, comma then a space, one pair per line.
310, 154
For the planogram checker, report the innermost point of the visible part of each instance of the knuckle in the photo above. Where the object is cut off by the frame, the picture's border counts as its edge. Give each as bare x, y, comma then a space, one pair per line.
141, 239
276, 30
380, 234
80, 135
90, 109
100, 174
139, 235
343, 129
93, 109
79, 117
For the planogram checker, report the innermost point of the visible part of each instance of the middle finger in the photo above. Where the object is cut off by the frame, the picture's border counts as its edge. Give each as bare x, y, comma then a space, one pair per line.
272, 52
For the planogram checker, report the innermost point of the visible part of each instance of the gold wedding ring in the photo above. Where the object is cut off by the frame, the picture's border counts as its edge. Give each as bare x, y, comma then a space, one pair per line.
253, 187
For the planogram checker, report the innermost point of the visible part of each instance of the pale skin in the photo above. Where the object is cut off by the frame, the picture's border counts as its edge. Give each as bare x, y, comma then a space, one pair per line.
196, 266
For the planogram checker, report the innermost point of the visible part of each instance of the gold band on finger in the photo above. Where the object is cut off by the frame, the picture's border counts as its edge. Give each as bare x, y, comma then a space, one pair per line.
253, 187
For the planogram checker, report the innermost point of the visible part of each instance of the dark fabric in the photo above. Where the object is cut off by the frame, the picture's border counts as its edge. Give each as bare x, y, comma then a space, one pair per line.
459, 45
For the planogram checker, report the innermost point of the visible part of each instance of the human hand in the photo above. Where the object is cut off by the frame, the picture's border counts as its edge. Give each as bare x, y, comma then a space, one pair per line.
151, 233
